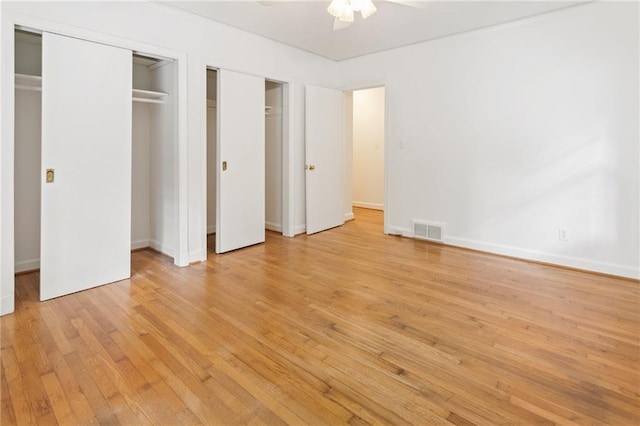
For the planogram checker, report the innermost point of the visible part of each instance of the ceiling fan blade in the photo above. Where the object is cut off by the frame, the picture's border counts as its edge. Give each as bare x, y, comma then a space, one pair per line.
413, 3
339, 25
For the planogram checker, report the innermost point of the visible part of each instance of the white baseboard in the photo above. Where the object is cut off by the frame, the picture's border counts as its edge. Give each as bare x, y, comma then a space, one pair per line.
156, 245
273, 226
138, 244
198, 256
397, 231
211, 229
525, 254
27, 265
572, 262
299, 229
349, 216
405, 232
364, 204
7, 304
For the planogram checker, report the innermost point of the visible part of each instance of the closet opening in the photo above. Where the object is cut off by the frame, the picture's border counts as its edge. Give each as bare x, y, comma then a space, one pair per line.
153, 153
273, 146
153, 204
366, 117
273, 155
27, 150
212, 146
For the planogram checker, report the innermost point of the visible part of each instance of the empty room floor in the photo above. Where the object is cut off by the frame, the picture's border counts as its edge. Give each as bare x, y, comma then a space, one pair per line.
345, 326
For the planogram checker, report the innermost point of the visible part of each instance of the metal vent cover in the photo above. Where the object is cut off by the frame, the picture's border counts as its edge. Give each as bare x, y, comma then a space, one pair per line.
431, 231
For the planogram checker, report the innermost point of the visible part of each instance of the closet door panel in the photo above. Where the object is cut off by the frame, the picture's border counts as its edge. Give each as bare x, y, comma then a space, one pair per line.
240, 216
324, 116
86, 140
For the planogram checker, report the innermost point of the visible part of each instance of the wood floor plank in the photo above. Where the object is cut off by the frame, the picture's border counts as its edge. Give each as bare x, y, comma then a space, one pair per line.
347, 326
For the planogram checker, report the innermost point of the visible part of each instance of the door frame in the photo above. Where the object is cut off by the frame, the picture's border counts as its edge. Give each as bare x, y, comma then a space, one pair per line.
11, 20
386, 210
288, 169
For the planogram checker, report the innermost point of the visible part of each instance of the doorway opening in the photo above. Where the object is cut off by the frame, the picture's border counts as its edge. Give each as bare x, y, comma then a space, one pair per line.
366, 139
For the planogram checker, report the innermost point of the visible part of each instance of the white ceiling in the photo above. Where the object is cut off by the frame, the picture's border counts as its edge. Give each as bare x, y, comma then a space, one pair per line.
308, 26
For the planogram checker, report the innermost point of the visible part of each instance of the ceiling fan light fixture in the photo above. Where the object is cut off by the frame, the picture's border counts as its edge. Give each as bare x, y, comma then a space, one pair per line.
337, 7
367, 8
344, 9
347, 14
356, 5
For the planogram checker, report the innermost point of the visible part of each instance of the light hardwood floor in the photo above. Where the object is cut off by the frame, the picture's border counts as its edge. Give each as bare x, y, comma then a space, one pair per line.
346, 326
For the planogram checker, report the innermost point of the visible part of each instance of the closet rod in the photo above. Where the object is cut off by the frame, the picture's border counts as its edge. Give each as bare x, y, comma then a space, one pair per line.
147, 101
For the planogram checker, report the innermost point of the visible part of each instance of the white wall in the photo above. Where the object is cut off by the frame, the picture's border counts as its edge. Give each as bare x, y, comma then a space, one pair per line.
273, 156
140, 175
509, 133
140, 160
368, 148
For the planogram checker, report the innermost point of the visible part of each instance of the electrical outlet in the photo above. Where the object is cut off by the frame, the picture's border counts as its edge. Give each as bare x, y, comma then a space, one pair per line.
563, 234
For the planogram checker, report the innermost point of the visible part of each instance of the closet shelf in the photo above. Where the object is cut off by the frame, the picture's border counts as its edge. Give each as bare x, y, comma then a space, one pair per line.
148, 96
34, 83
28, 82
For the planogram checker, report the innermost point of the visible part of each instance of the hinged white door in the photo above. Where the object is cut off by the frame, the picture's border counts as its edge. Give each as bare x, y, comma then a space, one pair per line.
86, 145
240, 210
324, 149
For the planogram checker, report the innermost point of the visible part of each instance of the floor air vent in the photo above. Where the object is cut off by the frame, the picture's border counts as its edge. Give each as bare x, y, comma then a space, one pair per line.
428, 231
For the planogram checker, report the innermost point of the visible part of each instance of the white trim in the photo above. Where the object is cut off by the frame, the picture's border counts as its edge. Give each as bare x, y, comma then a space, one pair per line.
397, 231
138, 244
200, 68
7, 304
27, 265
538, 256
197, 256
525, 254
7, 200
365, 205
349, 216
299, 229
164, 249
273, 226
288, 161
181, 258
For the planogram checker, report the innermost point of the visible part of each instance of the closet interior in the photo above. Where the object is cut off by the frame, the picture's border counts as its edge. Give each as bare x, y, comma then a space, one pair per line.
154, 150
273, 153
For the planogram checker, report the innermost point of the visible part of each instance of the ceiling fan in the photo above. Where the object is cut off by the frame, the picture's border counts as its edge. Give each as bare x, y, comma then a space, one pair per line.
344, 11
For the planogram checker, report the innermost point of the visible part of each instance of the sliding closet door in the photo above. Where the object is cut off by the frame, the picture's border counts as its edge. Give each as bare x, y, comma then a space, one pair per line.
324, 115
86, 142
240, 207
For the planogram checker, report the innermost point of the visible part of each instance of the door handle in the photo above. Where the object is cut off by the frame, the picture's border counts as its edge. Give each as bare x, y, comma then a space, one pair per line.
310, 167
224, 166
